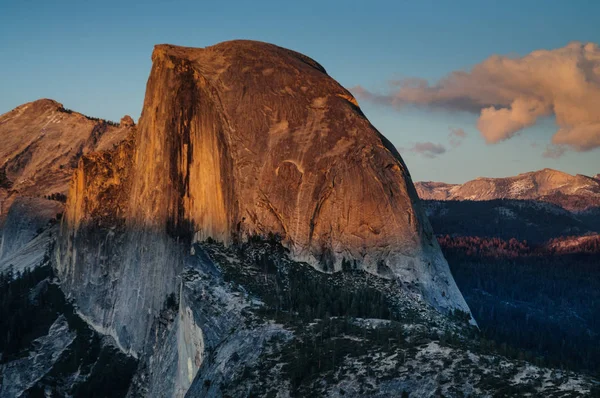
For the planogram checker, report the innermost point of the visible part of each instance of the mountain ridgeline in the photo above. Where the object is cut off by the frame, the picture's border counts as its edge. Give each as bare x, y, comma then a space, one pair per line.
536, 206
574, 193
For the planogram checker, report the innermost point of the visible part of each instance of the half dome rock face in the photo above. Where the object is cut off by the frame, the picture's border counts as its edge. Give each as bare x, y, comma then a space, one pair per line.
235, 140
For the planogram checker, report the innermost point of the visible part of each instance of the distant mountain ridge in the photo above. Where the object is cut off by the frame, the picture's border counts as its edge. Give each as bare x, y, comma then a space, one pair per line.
572, 192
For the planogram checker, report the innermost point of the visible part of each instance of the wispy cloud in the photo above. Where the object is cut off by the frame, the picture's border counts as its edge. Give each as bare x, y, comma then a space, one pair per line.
554, 151
456, 137
510, 94
426, 149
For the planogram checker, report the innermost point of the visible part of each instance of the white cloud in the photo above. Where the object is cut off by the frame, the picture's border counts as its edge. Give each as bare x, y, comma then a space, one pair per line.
511, 94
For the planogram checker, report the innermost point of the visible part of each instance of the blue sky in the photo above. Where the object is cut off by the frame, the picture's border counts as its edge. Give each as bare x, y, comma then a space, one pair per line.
94, 57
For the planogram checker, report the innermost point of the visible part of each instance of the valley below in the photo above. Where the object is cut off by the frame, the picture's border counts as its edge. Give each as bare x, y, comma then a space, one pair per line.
528, 267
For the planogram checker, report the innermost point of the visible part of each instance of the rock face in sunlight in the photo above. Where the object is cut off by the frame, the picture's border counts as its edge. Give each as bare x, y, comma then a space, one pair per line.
237, 140
41, 144
247, 138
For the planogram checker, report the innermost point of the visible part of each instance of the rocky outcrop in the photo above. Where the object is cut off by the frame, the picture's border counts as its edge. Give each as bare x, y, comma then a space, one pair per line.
32, 253
26, 219
127, 121
237, 140
575, 193
41, 144
28, 233
20, 375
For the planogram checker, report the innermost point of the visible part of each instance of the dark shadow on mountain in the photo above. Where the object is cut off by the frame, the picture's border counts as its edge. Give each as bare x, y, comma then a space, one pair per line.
533, 221
31, 303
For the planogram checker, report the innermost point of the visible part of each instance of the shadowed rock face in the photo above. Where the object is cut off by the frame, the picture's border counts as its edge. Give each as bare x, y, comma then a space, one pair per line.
27, 216
238, 139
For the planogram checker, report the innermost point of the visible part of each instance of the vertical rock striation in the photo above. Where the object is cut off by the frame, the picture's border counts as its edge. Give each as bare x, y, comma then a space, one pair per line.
240, 139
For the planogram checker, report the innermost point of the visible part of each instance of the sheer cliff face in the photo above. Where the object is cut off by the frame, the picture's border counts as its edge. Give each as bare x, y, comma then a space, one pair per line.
248, 138
238, 139
119, 269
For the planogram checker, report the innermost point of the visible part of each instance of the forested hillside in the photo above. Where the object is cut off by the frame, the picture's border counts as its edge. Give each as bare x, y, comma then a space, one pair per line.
535, 302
